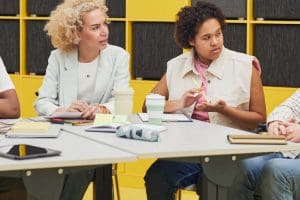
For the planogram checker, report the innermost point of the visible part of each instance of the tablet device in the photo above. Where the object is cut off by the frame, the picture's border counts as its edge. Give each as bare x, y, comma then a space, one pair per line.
25, 151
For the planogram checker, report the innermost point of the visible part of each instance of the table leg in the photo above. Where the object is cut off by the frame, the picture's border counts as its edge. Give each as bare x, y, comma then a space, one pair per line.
103, 189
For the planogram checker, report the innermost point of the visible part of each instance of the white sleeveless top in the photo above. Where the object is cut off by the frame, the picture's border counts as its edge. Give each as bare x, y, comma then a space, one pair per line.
5, 82
229, 79
87, 73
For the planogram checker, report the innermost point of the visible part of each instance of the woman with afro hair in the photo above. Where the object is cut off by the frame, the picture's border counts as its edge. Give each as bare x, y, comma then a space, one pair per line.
209, 83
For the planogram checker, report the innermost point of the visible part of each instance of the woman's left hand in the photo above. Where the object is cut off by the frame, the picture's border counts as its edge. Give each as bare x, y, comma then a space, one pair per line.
211, 107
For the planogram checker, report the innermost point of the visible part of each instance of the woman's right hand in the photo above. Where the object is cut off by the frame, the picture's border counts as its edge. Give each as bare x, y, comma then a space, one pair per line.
77, 106
190, 97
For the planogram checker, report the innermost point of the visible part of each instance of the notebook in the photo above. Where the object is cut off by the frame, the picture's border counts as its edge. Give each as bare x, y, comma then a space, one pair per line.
107, 123
256, 139
111, 128
33, 130
176, 117
65, 115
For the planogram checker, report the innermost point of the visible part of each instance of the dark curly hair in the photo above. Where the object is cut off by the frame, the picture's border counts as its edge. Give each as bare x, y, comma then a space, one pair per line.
190, 18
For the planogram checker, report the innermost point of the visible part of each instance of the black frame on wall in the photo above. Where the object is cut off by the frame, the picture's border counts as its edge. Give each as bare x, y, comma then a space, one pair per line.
153, 46
37, 52
277, 47
10, 44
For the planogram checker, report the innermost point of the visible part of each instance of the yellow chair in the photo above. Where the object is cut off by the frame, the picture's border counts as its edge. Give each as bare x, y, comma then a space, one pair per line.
116, 181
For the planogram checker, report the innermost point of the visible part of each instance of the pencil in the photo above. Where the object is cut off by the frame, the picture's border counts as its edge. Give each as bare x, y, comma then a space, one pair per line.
203, 93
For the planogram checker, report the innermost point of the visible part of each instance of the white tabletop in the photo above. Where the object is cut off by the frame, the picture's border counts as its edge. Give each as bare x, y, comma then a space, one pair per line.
76, 151
184, 139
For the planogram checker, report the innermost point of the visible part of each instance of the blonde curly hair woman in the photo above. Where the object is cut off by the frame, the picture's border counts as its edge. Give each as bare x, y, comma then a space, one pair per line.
84, 69
81, 73
67, 20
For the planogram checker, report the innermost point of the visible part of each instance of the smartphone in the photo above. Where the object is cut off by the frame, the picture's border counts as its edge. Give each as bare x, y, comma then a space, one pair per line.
25, 151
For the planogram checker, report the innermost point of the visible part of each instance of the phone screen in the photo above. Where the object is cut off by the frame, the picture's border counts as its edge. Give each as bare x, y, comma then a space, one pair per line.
25, 151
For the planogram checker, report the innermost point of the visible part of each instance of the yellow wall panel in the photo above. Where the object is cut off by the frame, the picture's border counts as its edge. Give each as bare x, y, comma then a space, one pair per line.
30, 85
158, 10
16, 80
276, 95
141, 89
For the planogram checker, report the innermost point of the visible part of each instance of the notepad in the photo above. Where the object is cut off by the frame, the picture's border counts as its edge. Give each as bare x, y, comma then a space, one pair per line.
256, 139
30, 127
33, 130
176, 117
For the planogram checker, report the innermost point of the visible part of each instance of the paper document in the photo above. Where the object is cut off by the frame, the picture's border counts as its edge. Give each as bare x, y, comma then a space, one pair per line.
176, 117
5, 124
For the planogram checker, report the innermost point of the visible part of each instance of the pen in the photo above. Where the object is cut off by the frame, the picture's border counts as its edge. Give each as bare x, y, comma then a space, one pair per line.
196, 94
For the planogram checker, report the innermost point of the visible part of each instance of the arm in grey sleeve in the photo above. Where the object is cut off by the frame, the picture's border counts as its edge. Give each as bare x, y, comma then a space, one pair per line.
47, 101
289, 109
121, 78
122, 75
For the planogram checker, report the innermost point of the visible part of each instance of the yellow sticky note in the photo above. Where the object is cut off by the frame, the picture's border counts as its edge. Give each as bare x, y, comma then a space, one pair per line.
120, 119
103, 119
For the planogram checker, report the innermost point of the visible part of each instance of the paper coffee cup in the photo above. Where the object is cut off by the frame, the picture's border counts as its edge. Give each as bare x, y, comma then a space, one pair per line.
123, 100
155, 104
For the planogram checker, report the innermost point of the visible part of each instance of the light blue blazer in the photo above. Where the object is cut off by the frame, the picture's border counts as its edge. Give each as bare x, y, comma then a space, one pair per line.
60, 85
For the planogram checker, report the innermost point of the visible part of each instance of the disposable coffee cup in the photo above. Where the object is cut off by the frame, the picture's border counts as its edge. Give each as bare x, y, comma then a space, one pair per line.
155, 104
123, 100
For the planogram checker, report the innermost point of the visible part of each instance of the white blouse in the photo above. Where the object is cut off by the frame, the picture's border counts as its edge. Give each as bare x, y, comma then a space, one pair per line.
87, 73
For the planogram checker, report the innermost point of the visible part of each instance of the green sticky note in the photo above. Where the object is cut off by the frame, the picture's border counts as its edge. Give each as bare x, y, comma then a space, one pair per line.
120, 119
103, 119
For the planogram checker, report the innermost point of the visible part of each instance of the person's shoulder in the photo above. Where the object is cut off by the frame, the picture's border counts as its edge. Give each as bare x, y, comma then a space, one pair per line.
238, 56
57, 53
115, 50
182, 58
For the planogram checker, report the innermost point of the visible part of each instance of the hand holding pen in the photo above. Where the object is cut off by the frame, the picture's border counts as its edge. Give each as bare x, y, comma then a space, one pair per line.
202, 92
207, 105
189, 97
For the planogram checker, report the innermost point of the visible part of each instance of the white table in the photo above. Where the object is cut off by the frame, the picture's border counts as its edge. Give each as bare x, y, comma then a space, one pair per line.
192, 141
43, 177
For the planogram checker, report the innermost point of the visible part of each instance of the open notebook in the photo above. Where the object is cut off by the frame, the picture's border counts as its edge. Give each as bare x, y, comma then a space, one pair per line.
256, 139
176, 117
107, 123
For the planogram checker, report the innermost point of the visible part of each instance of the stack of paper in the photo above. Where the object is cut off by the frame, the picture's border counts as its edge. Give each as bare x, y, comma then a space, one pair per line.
5, 124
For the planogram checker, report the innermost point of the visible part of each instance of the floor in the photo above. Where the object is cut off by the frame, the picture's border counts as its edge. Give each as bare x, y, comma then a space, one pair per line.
138, 194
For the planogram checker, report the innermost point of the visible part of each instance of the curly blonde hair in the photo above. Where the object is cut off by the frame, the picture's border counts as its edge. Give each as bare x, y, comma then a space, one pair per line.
67, 19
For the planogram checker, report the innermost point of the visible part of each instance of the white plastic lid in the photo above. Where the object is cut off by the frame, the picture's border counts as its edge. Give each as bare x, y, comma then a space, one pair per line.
153, 96
123, 90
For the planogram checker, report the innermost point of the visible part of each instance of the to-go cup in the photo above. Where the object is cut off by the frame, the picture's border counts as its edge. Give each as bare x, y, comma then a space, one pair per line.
155, 104
123, 100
